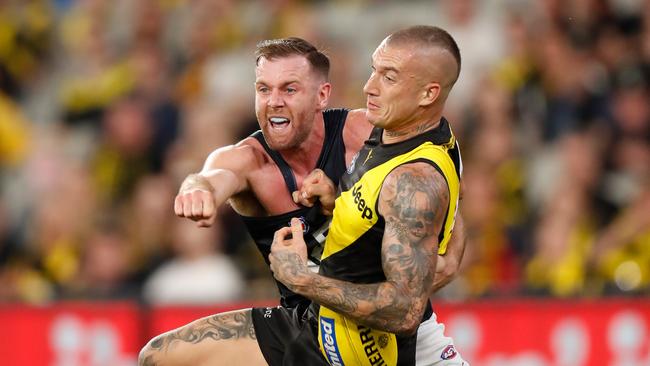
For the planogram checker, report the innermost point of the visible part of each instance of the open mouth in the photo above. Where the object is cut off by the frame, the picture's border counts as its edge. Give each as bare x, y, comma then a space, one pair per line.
279, 122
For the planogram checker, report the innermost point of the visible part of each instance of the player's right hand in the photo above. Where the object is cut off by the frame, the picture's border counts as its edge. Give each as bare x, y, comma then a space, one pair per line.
197, 205
316, 186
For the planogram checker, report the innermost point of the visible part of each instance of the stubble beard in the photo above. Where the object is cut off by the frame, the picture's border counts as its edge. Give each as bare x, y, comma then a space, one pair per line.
298, 138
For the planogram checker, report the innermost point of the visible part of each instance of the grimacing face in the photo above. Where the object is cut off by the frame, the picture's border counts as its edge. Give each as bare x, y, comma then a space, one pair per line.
394, 87
288, 94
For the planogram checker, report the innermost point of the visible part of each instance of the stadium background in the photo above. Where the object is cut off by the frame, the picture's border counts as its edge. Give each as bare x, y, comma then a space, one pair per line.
105, 106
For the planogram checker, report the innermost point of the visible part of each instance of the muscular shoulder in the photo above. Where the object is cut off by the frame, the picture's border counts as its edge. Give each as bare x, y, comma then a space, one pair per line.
247, 155
357, 125
356, 131
414, 199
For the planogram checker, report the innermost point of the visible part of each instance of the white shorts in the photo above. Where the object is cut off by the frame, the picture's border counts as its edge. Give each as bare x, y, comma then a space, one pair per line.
433, 348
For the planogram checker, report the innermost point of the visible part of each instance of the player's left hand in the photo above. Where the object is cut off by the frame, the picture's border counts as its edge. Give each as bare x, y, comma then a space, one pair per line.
288, 255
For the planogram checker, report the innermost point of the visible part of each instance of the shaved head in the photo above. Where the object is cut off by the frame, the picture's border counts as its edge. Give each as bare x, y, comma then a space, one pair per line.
439, 47
413, 72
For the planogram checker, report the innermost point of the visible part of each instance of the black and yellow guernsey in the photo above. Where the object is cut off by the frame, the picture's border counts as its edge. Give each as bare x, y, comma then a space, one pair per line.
332, 161
352, 250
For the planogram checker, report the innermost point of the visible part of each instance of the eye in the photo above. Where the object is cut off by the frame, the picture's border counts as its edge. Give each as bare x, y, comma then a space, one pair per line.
389, 78
291, 90
263, 89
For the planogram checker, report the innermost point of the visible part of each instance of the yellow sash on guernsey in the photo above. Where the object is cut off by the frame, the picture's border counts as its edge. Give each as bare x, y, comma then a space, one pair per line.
354, 209
345, 343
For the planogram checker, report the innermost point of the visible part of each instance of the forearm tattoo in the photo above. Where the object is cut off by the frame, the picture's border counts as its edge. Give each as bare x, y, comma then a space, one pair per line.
233, 325
414, 202
291, 269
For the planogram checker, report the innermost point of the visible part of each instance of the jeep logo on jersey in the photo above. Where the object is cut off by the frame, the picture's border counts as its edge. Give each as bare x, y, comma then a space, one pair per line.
303, 223
448, 353
366, 212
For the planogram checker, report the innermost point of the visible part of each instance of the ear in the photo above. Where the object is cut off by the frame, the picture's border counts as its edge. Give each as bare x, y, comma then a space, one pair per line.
430, 94
324, 94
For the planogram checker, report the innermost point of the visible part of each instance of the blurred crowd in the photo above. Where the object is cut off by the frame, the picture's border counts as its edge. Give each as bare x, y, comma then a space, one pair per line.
106, 105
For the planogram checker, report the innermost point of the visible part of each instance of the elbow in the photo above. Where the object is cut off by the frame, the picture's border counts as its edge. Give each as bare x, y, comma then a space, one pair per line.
410, 318
445, 273
398, 310
450, 271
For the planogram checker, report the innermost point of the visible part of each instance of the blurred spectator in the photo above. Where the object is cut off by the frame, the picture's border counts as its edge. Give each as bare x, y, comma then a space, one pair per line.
152, 87
476, 26
106, 105
568, 220
493, 203
14, 134
124, 153
94, 73
147, 220
622, 250
199, 273
105, 265
26, 29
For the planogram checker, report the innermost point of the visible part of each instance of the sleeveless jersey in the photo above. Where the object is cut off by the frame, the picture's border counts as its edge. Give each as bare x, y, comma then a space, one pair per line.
352, 250
315, 224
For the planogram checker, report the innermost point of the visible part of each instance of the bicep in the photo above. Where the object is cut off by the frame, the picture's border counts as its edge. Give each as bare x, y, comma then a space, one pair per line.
413, 202
228, 167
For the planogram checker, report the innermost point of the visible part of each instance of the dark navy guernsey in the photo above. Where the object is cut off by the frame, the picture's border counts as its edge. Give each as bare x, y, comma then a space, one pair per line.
315, 224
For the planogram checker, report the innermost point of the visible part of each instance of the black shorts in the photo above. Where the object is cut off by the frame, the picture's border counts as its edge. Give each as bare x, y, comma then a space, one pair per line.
288, 337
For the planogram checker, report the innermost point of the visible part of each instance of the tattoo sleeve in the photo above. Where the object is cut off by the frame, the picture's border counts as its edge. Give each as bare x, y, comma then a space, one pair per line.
413, 202
233, 325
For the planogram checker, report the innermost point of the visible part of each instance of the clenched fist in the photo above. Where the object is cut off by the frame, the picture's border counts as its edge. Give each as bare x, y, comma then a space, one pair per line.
316, 186
196, 203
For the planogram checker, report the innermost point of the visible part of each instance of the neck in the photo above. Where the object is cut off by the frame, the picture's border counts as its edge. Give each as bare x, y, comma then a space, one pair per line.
302, 159
408, 131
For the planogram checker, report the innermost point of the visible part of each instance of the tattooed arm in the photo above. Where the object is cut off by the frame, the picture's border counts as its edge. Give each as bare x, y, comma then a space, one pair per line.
202, 341
414, 214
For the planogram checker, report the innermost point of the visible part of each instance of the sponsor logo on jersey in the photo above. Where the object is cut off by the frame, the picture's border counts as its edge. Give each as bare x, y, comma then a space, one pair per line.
383, 341
303, 223
328, 335
370, 346
368, 157
366, 212
448, 353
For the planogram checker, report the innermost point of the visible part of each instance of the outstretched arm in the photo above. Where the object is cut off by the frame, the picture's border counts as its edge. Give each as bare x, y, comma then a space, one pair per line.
222, 176
414, 214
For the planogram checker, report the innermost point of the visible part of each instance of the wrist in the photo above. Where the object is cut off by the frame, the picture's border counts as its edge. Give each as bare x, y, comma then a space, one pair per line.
196, 182
302, 281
